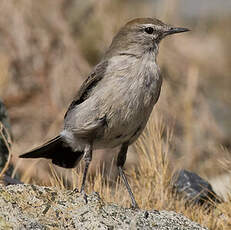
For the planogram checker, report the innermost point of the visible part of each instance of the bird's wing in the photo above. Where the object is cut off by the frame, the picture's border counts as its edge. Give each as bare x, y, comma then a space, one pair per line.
83, 93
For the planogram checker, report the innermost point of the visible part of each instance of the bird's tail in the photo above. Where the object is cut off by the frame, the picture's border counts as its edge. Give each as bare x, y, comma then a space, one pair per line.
58, 151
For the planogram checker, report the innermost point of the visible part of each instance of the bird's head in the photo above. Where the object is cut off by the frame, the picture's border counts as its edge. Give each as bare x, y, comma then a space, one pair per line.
141, 35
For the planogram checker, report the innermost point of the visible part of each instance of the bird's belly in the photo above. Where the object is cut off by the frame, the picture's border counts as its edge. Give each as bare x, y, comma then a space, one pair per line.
122, 128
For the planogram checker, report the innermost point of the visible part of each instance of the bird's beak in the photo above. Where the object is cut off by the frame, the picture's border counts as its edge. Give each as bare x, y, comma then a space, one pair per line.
174, 30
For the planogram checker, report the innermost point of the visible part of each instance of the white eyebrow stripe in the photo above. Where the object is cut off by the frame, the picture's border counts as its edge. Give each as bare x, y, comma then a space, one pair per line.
153, 26
148, 25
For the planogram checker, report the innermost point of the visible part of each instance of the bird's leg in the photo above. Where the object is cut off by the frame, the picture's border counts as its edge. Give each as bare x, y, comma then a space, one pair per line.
87, 157
120, 162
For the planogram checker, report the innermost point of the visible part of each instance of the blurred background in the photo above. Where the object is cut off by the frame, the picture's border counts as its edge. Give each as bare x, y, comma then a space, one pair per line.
47, 48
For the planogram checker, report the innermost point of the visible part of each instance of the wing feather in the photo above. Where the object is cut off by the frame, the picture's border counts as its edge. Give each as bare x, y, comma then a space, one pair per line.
84, 91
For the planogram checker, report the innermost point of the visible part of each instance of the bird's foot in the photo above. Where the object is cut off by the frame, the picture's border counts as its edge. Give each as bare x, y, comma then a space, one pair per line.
134, 206
82, 193
84, 196
75, 190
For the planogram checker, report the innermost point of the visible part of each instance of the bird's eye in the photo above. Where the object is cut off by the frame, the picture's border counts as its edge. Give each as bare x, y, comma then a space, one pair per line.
149, 30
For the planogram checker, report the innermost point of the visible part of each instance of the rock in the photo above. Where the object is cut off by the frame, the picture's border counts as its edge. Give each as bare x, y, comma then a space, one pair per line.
35, 207
5, 134
193, 188
7, 180
5, 128
5, 144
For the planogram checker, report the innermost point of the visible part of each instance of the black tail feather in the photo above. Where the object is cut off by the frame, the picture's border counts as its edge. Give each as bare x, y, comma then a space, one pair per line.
56, 150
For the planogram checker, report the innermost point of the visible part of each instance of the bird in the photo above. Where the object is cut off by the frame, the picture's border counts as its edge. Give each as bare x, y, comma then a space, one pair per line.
114, 103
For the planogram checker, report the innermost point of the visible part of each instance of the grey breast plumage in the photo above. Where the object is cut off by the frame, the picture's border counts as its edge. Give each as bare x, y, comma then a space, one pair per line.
113, 107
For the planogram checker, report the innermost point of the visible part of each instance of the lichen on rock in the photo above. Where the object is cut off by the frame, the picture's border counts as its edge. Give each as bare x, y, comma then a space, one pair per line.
36, 207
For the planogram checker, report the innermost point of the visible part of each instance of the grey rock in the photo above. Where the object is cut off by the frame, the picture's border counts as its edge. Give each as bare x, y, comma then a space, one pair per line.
5, 129
194, 189
7, 180
5, 142
35, 207
4, 135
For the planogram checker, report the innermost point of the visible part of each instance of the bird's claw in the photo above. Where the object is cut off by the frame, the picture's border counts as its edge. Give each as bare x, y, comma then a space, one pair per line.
134, 206
84, 196
75, 190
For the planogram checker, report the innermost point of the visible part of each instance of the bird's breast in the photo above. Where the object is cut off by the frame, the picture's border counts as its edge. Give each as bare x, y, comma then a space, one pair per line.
128, 98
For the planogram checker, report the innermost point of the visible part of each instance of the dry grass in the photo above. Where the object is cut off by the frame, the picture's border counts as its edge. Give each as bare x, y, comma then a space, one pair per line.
150, 181
42, 67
